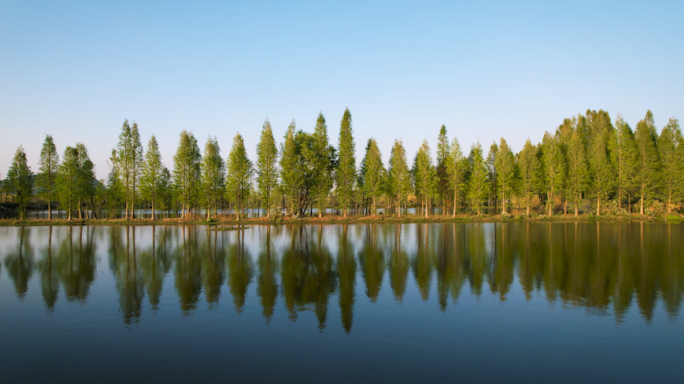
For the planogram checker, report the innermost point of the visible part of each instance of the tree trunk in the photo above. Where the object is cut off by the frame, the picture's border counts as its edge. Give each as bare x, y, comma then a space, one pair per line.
576, 210
598, 206
641, 209
49, 207
152, 218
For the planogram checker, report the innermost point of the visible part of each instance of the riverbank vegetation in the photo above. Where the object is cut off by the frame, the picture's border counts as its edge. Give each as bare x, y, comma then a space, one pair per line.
588, 167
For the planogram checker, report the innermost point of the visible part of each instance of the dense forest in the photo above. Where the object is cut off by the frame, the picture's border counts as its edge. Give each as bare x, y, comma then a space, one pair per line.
588, 165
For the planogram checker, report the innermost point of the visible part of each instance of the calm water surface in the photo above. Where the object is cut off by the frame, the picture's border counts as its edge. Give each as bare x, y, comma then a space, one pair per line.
341, 303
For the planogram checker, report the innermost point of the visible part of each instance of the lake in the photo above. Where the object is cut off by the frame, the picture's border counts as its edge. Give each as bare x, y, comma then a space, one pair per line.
539, 302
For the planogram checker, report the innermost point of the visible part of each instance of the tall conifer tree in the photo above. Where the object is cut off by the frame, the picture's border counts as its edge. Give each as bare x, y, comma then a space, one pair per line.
373, 173
267, 166
67, 180
648, 168
624, 157
478, 183
20, 181
324, 164
152, 168
442, 161
346, 168
47, 174
530, 173
213, 172
506, 172
239, 174
578, 173
424, 179
399, 179
289, 177
186, 171
670, 147
456, 168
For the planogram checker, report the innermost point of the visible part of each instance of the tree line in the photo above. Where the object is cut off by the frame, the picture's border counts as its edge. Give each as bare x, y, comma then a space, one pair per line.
589, 164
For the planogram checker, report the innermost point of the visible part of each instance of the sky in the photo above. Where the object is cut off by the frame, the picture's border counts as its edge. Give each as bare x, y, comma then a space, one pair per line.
486, 70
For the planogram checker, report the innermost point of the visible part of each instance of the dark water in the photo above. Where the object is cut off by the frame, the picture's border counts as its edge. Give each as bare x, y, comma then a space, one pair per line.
357, 303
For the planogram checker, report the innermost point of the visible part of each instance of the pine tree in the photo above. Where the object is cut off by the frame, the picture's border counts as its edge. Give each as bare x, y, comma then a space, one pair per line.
213, 172
186, 171
267, 166
136, 163
670, 149
346, 168
602, 172
578, 173
151, 174
442, 161
85, 178
456, 170
290, 179
399, 180
490, 163
324, 162
648, 167
530, 173
505, 172
424, 176
478, 183
67, 180
373, 173
554, 168
47, 174
239, 174
20, 181
128, 159
624, 157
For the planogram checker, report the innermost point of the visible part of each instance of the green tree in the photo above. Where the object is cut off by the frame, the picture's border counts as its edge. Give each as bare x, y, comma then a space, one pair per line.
399, 180
290, 178
442, 162
649, 164
554, 168
267, 166
47, 173
20, 181
67, 180
213, 172
186, 171
128, 158
346, 168
150, 182
477, 183
85, 178
324, 160
505, 171
623, 153
530, 173
602, 172
373, 173
424, 179
456, 168
671, 149
493, 184
239, 174
115, 192
578, 173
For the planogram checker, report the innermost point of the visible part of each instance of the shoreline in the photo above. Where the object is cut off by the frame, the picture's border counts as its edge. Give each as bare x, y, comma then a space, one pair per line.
410, 219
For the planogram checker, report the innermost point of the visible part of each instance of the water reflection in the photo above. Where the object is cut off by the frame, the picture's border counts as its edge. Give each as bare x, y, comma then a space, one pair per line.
607, 269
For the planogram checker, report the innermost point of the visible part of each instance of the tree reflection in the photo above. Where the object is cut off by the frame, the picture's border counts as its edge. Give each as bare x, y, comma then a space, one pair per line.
607, 269
307, 275
19, 264
240, 270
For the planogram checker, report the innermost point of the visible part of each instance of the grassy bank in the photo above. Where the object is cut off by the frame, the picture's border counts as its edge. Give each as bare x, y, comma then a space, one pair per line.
674, 219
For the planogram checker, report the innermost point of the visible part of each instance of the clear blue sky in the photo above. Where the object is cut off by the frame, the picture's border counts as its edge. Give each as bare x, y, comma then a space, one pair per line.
76, 70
